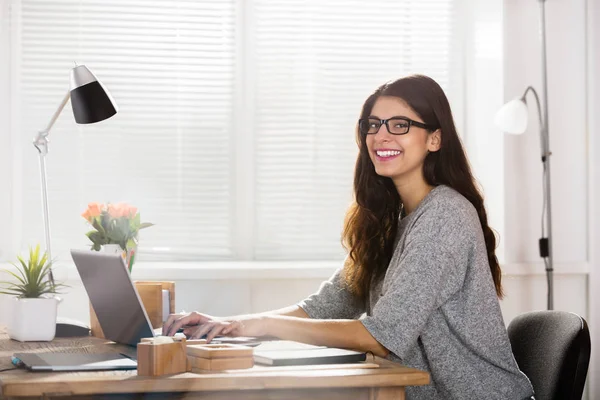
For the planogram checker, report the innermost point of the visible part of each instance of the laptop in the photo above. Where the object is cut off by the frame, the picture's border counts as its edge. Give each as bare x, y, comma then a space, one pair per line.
116, 302
112, 293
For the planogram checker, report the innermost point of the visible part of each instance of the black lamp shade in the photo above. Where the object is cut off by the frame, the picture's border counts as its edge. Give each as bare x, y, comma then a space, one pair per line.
91, 102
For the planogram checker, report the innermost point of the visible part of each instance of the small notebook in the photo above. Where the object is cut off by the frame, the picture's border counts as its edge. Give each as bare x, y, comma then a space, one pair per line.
309, 356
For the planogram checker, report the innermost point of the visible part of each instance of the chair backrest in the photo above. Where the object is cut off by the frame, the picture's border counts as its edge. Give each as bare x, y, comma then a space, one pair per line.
553, 349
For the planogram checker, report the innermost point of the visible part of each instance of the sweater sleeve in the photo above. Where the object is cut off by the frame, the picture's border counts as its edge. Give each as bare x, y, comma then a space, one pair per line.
333, 301
430, 270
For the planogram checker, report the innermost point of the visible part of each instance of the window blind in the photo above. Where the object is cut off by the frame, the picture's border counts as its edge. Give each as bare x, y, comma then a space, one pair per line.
316, 63
170, 68
235, 131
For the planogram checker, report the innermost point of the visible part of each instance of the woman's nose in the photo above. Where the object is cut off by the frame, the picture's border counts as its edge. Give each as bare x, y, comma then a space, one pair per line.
382, 132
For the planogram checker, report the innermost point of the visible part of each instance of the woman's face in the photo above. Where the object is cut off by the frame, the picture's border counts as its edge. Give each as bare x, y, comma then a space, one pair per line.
399, 156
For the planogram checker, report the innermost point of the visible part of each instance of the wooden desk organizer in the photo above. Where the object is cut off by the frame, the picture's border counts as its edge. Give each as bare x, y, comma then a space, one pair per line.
151, 295
219, 357
164, 356
155, 358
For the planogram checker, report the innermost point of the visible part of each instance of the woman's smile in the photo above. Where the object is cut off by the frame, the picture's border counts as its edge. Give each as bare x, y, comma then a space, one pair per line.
384, 155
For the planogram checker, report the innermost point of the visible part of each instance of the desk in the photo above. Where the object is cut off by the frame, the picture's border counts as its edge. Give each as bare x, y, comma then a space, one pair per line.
379, 379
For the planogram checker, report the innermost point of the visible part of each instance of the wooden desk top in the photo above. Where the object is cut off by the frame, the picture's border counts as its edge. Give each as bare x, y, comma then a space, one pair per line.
20, 382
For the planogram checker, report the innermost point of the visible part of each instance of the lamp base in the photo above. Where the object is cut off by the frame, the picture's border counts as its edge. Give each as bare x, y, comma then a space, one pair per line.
71, 328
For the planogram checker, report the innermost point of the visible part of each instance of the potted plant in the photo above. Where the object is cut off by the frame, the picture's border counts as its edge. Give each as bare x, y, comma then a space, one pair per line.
34, 306
116, 227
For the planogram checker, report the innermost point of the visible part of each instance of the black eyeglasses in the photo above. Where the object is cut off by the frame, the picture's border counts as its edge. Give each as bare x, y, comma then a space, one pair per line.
394, 125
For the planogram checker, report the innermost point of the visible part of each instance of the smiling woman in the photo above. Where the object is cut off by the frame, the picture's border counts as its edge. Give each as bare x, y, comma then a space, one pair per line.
421, 261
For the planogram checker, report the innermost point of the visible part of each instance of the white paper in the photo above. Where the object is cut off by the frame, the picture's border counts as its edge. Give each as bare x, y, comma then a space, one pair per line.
166, 304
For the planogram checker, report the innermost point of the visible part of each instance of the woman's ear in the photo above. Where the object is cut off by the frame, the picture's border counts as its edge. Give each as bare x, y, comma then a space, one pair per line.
434, 141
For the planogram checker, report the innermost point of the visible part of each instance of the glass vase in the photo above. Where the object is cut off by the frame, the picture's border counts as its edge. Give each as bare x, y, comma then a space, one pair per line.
128, 255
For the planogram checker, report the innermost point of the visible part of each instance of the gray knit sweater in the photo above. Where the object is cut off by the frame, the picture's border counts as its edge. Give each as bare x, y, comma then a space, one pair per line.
436, 309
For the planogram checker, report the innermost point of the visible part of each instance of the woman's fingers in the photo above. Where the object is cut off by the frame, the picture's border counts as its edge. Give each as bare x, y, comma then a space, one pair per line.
202, 330
218, 328
211, 330
179, 321
170, 319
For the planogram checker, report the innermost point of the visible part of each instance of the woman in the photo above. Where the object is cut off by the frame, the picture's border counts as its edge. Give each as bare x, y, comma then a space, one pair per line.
420, 263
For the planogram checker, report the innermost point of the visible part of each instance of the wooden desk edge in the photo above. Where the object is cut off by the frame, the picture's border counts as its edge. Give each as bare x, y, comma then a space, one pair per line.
190, 382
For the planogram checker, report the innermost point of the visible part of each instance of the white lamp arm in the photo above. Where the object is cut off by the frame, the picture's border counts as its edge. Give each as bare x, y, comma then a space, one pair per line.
41, 144
41, 140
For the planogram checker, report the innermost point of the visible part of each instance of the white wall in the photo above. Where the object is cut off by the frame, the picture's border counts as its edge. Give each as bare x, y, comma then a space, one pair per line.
593, 66
567, 91
566, 40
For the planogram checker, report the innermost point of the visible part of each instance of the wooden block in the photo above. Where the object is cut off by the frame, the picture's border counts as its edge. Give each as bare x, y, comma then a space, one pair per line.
95, 327
166, 285
213, 351
161, 359
221, 364
151, 297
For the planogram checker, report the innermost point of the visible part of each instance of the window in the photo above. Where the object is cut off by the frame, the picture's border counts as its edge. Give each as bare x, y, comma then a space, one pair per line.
235, 131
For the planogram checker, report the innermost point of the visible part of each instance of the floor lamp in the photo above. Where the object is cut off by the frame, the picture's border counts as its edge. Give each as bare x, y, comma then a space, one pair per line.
90, 102
512, 118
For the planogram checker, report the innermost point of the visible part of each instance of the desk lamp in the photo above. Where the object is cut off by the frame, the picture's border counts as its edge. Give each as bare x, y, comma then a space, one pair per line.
91, 102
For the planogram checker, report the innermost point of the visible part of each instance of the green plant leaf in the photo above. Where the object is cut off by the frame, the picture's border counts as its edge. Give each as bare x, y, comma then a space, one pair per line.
24, 266
20, 279
32, 277
146, 225
136, 220
97, 237
14, 293
97, 224
131, 243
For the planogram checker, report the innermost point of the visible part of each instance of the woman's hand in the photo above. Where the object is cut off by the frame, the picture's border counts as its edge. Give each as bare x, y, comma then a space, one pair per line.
252, 326
183, 320
196, 325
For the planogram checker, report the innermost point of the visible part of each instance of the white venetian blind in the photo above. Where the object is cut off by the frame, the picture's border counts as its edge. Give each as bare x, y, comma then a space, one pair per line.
235, 131
316, 63
170, 67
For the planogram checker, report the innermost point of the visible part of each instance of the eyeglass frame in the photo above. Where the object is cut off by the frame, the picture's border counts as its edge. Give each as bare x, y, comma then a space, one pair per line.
382, 122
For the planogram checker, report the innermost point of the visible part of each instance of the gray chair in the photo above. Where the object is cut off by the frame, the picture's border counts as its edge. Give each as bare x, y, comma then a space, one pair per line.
553, 349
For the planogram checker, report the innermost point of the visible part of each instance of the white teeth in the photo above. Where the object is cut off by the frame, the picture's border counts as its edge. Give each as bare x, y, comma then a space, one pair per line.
388, 153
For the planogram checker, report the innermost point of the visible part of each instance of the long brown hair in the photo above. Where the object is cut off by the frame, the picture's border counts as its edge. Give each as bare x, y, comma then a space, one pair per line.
372, 220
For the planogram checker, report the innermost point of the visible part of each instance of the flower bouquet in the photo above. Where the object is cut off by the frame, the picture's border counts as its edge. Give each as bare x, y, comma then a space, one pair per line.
115, 224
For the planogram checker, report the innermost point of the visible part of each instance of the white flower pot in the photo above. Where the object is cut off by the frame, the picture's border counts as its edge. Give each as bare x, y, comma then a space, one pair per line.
33, 320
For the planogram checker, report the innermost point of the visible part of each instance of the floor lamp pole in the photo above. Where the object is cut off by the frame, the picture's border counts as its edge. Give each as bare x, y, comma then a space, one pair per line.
545, 142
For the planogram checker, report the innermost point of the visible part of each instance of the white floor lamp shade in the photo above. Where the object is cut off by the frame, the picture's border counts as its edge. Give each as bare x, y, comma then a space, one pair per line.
512, 117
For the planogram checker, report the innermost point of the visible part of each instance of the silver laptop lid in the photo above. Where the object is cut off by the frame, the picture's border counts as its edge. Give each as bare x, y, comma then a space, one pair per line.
113, 295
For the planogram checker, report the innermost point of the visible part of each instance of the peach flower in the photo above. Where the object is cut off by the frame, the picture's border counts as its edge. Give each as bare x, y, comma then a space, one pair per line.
118, 210
115, 210
93, 210
132, 211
